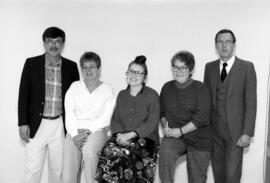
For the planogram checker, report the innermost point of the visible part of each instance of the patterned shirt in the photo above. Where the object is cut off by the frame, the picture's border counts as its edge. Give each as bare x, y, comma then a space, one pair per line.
53, 91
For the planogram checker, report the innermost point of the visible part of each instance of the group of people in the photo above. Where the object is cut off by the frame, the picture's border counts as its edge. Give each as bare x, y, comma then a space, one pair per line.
81, 125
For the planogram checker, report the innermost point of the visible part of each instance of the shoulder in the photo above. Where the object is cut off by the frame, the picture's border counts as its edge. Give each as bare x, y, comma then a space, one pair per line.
199, 84
168, 84
75, 85
200, 87
122, 93
107, 88
69, 62
35, 59
168, 87
150, 91
243, 62
211, 63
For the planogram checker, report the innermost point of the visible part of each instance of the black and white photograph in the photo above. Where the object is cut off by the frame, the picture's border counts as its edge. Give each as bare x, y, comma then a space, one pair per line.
135, 91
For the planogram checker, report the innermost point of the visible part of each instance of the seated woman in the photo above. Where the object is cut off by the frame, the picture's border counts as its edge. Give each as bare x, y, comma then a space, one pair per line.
130, 155
89, 104
185, 107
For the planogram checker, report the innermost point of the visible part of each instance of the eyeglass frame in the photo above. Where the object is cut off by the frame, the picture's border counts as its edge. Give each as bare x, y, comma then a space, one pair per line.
57, 41
131, 72
181, 69
89, 68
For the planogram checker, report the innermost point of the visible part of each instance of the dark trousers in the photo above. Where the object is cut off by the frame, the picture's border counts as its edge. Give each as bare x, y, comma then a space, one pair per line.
226, 158
197, 161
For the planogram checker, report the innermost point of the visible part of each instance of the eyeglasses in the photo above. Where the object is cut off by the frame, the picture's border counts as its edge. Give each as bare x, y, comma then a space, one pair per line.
57, 41
89, 68
132, 72
181, 69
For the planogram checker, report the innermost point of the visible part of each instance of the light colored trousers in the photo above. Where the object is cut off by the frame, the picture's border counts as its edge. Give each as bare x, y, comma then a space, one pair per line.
87, 159
49, 138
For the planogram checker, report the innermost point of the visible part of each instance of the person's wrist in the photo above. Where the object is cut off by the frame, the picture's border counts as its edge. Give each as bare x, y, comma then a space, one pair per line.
181, 132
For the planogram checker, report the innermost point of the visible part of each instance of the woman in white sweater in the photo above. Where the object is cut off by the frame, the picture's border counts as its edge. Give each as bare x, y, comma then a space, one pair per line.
89, 105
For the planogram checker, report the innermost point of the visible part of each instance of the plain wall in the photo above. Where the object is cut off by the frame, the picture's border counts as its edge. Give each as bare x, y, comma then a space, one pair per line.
119, 31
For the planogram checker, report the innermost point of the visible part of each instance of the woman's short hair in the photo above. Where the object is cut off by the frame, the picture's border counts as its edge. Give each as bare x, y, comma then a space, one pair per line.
90, 56
54, 32
185, 57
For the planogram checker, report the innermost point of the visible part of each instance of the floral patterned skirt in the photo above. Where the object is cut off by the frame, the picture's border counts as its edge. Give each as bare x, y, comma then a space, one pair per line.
127, 164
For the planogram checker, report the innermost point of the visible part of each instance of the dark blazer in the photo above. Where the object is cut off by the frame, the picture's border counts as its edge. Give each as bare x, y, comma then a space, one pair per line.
32, 90
241, 97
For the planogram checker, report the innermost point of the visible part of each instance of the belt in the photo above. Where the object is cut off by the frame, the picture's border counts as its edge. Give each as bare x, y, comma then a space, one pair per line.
51, 117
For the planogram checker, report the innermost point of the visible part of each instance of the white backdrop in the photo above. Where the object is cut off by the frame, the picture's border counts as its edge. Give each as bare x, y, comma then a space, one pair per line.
119, 30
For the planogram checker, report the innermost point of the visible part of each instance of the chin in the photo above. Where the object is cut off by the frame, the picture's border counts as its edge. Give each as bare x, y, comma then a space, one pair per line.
54, 54
134, 84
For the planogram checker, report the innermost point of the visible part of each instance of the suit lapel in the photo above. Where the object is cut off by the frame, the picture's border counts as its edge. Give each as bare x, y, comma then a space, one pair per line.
42, 75
234, 72
62, 73
214, 77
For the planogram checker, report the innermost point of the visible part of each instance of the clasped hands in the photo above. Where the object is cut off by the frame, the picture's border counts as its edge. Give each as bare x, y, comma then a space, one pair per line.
125, 139
80, 139
170, 132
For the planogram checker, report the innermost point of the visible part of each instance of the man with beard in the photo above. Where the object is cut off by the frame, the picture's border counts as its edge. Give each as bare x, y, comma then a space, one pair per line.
44, 82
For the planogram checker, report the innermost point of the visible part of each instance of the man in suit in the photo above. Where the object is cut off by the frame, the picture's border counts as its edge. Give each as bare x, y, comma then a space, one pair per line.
232, 87
44, 82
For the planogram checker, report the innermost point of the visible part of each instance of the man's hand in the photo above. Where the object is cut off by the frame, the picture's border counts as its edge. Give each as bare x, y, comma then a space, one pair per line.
243, 141
173, 132
80, 139
24, 132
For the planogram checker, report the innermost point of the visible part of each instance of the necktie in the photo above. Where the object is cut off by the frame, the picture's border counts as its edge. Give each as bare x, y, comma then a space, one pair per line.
223, 72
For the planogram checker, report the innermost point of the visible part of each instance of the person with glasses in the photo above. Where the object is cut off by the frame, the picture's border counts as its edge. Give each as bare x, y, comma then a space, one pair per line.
233, 90
89, 104
184, 106
130, 154
41, 113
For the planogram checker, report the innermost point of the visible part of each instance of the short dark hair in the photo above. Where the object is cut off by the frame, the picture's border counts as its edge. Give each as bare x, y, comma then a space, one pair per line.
185, 57
92, 57
54, 32
222, 31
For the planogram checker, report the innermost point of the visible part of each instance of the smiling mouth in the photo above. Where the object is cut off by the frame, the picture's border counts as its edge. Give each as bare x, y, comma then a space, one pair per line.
180, 75
54, 49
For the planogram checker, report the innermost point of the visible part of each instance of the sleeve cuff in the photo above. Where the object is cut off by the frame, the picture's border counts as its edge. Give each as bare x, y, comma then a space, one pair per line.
196, 123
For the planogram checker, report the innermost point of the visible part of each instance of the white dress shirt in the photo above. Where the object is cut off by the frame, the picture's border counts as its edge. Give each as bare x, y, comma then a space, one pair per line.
88, 110
229, 66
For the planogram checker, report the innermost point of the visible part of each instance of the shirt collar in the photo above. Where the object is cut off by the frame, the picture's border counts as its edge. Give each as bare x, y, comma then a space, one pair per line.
51, 63
140, 92
229, 62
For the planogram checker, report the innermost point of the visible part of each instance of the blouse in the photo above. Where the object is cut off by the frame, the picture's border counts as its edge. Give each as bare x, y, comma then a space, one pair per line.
87, 110
138, 113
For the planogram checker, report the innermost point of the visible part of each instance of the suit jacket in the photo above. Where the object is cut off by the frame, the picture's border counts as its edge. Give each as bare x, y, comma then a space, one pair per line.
32, 90
241, 101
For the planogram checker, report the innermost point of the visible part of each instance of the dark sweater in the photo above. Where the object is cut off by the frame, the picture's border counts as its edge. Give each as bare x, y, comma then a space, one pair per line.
181, 105
137, 113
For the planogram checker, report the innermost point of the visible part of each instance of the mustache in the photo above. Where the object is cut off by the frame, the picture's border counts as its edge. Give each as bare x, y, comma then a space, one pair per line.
54, 49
